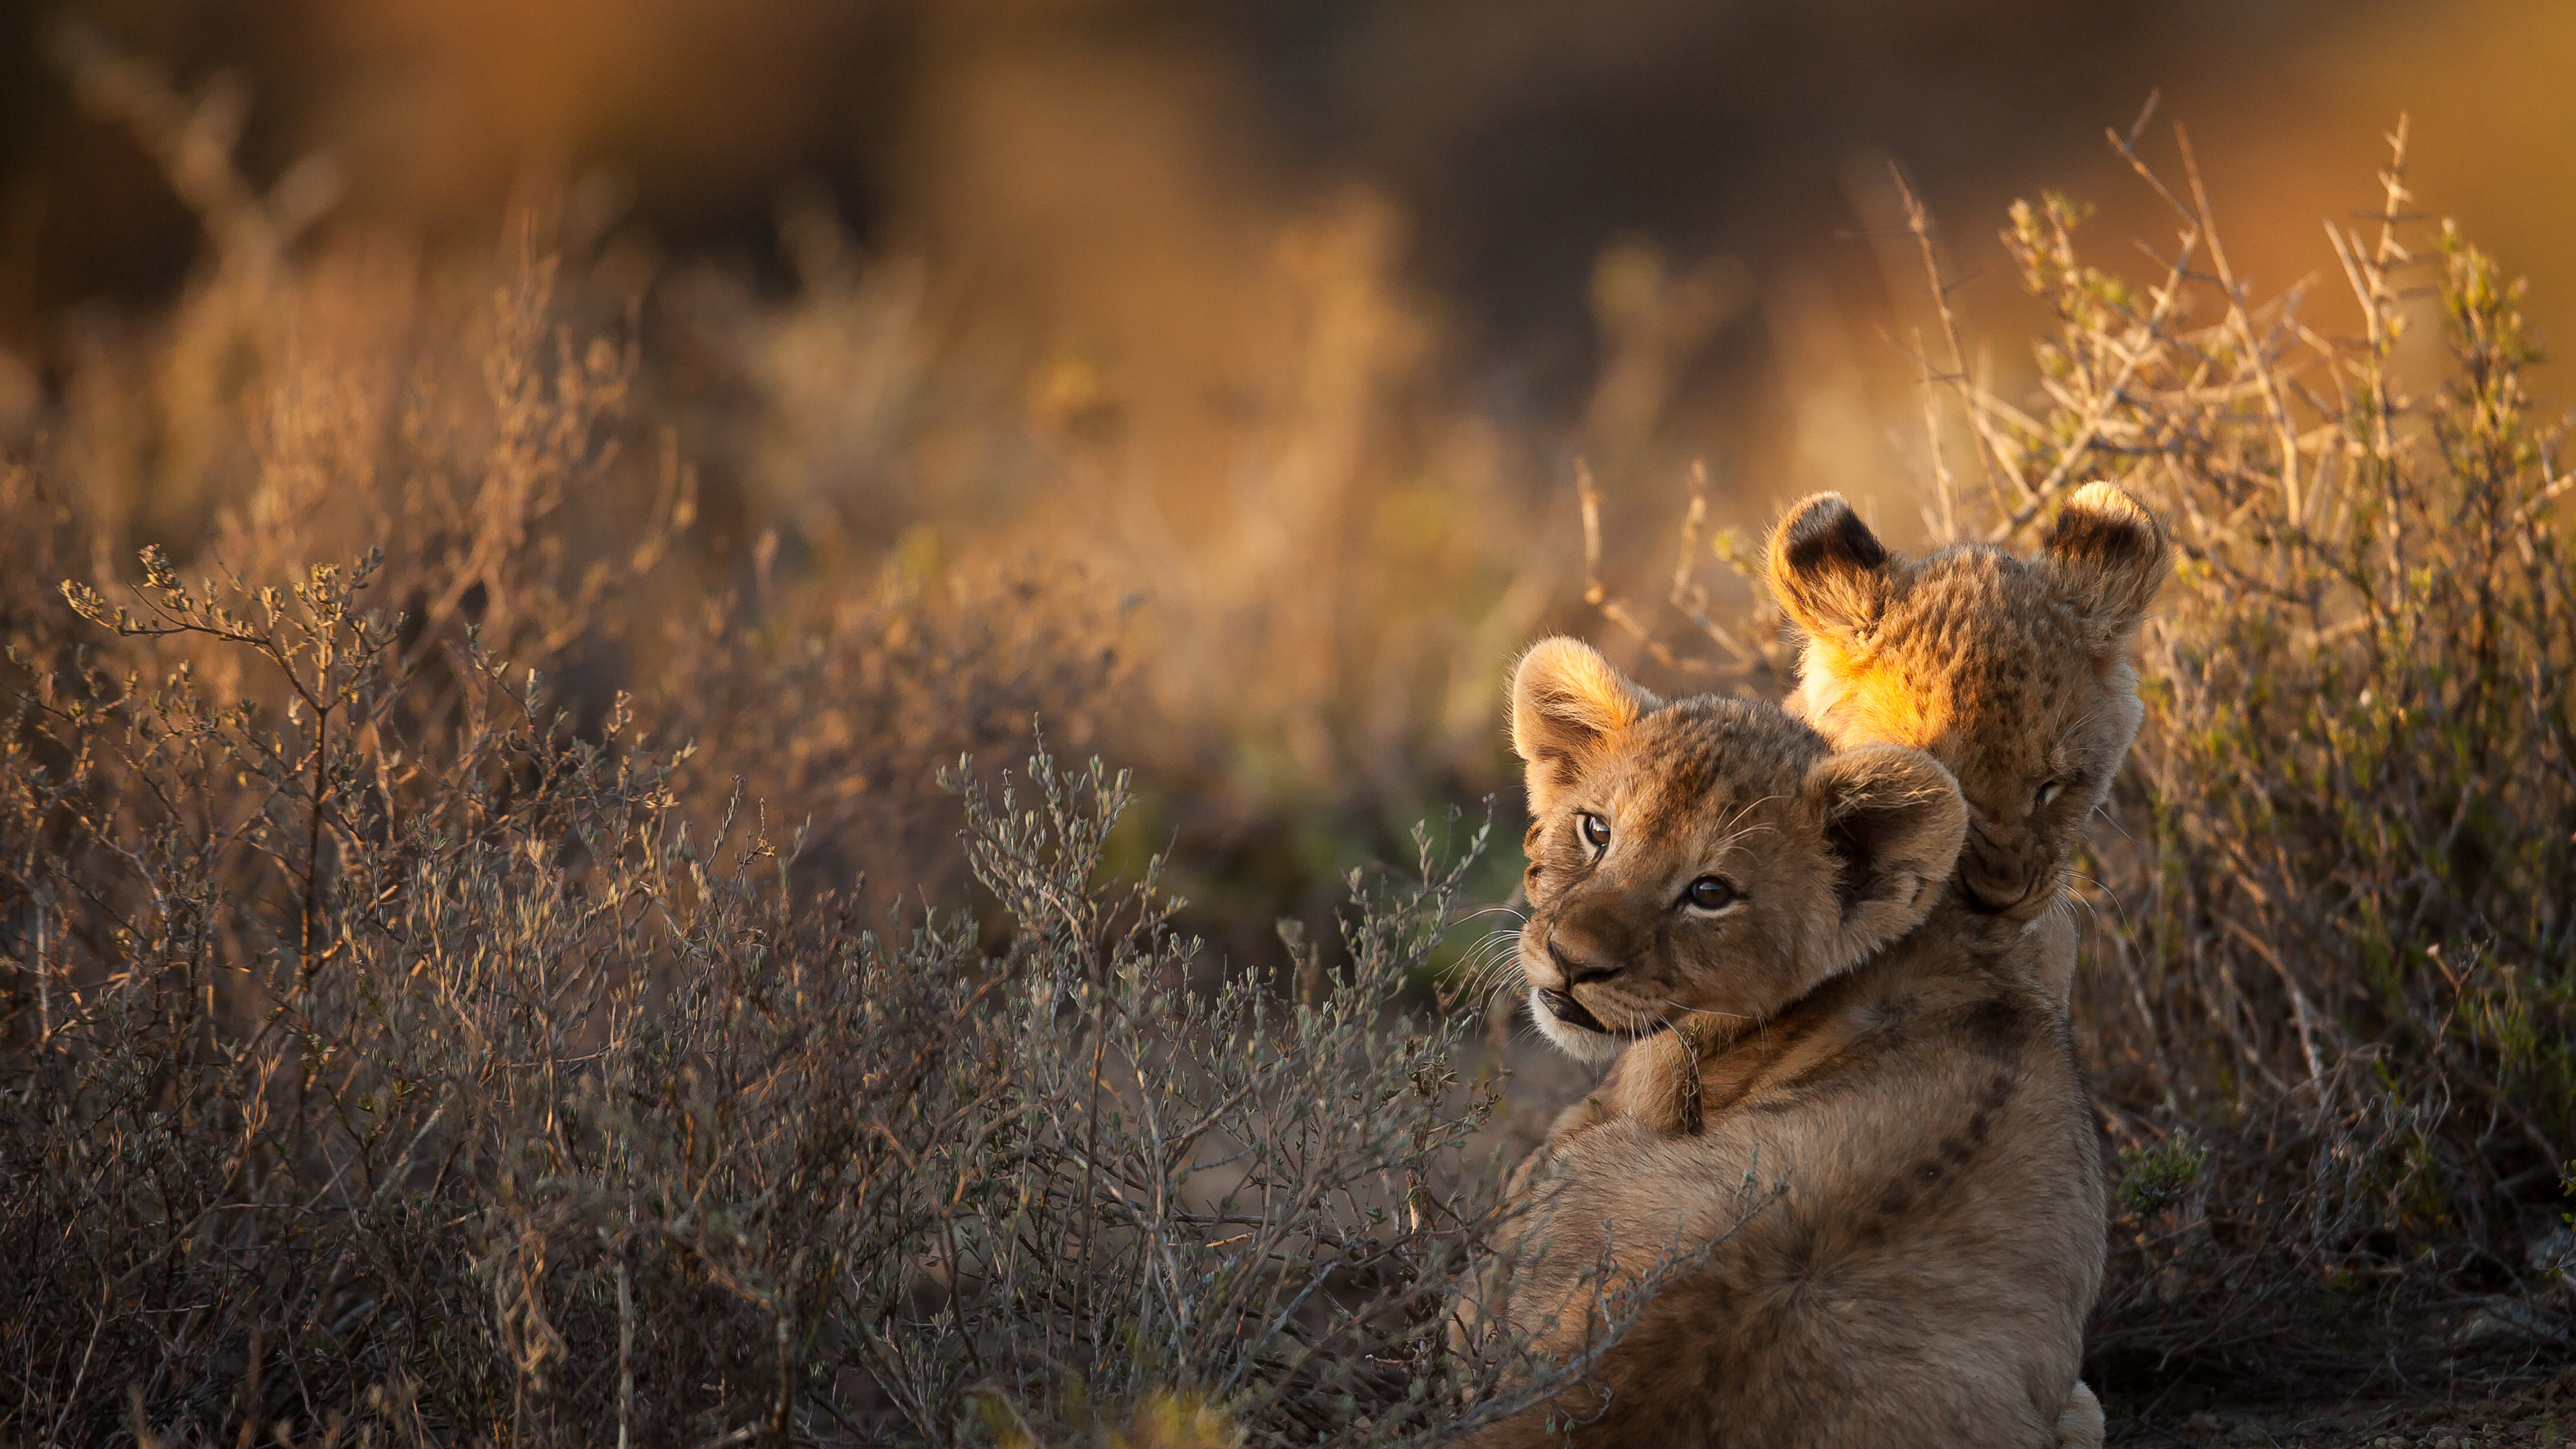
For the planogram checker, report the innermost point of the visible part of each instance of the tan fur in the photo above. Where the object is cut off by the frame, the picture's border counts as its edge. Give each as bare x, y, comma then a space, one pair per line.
2013, 673
1927, 1276
2082, 1425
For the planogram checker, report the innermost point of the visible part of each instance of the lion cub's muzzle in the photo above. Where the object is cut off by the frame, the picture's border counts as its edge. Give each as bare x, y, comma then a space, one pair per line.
1994, 899
1574, 969
2004, 878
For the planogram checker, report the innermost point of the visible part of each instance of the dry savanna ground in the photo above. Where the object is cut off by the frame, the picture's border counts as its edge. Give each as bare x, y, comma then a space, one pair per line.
2535, 1415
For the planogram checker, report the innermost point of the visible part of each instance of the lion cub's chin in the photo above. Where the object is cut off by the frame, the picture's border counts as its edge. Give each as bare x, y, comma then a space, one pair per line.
1580, 1043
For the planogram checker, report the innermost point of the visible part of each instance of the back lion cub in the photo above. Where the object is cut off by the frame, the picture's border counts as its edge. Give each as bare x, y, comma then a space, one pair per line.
1926, 1276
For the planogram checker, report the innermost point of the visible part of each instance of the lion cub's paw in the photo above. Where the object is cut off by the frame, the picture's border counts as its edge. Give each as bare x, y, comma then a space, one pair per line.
2080, 1426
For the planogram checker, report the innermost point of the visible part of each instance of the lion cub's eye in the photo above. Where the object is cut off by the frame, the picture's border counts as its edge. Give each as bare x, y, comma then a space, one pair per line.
1596, 831
2054, 788
1710, 893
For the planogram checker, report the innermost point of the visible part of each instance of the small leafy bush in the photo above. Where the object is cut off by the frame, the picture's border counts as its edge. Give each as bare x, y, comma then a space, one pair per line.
2153, 1178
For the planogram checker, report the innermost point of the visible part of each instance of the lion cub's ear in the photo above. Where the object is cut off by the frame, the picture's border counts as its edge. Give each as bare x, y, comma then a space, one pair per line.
1830, 573
2112, 555
1893, 821
1568, 705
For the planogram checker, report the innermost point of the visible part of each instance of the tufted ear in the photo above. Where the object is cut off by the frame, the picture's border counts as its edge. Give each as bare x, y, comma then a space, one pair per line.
1893, 821
2111, 553
1568, 704
1828, 570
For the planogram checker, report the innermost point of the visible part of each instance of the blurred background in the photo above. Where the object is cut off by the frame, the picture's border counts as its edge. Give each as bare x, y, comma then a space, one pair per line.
1114, 174
1258, 340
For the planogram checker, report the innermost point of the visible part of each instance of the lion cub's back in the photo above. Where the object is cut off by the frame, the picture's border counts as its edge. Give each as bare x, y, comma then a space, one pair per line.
1947, 1261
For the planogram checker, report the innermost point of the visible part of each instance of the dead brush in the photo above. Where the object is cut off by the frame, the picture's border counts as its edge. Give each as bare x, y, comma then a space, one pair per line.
2344, 954
444, 1079
393, 1053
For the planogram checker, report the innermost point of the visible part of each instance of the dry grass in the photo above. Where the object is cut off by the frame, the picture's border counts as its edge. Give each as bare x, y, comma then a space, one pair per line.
435, 1080
2343, 957
406, 1061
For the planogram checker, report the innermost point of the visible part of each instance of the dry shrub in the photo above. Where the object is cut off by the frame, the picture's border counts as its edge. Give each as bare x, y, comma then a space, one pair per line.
431, 1075
2342, 961
832, 710
1313, 555
438, 1002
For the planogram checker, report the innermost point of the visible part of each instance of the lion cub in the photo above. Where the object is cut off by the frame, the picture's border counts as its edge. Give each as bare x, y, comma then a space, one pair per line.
2013, 672
1927, 1275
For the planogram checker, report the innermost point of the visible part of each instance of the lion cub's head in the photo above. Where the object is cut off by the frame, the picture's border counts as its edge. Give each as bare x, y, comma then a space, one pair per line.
2013, 672
1706, 856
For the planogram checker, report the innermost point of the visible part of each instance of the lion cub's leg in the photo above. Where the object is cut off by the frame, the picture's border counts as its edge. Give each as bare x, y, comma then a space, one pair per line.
2081, 1425
1655, 1082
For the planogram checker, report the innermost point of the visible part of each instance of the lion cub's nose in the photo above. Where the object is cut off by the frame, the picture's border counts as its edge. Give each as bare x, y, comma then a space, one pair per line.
1575, 969
1999, 874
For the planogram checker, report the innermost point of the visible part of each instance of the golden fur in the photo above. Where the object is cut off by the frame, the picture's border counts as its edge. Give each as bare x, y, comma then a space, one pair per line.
1926, 1278
1709, 788
1882, 664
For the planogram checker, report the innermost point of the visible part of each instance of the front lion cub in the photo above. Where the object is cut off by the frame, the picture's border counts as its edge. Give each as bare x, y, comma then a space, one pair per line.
1926, 1276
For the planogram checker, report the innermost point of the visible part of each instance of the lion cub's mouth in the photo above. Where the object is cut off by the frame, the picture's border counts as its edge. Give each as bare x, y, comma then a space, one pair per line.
1563, 1006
